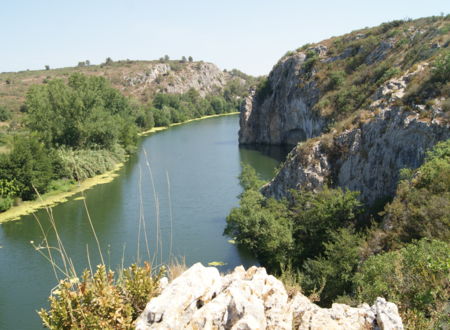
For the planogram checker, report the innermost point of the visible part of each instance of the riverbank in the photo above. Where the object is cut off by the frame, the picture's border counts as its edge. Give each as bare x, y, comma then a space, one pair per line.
157, 129
55, 197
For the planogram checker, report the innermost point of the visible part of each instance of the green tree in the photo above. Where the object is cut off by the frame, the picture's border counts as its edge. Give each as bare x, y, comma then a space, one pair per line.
333, 271
315, 215
190, 59
84, 113
29, 164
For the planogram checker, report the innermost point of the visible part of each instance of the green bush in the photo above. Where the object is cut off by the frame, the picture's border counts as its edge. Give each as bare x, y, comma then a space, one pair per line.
101, 300
337, 78
332, 272
416, 277
5, 203
30, 164
5, 114
288, 232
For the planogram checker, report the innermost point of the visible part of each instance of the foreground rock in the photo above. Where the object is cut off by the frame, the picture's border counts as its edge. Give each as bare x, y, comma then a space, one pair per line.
203, 299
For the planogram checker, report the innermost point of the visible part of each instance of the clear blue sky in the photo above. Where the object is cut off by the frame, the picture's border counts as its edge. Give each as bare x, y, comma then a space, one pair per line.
250, 35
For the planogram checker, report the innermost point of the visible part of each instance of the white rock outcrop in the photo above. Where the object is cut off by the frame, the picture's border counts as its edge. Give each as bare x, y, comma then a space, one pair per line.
201, 298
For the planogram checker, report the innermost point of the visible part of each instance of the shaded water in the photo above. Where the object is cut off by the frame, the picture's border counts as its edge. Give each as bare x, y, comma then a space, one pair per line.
194, 169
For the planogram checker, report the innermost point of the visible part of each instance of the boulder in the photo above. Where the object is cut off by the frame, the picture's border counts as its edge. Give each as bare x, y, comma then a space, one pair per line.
201, 298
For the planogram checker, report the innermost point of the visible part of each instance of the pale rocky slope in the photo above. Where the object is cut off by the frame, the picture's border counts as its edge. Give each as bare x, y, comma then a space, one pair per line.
201, 298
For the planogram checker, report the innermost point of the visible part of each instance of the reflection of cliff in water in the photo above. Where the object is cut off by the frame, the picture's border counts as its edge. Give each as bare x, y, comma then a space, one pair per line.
263, 158
277, 152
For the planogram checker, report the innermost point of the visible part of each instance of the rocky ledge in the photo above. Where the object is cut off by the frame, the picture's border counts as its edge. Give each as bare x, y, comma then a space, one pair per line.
203, 299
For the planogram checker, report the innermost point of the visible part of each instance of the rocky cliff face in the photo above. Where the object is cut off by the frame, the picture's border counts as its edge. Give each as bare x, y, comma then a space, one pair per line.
203, 299
359, 106
283, 115
369, 155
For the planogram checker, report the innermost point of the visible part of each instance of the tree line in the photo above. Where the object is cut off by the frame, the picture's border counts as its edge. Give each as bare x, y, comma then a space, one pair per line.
83, 127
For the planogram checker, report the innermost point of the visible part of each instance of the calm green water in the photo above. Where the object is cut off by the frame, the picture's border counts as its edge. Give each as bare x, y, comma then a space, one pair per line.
194, 168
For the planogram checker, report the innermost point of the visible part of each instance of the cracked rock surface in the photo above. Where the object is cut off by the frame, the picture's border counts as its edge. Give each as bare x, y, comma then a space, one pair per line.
201, 298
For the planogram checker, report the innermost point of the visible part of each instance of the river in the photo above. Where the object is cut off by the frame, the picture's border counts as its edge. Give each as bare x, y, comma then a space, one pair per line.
194, 169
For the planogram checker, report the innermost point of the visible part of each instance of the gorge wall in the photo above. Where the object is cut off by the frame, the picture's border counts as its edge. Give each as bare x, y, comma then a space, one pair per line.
356, 107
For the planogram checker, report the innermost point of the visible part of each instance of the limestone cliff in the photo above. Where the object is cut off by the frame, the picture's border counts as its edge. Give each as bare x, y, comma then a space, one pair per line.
201, 298
283, 115
361, 107
368, 154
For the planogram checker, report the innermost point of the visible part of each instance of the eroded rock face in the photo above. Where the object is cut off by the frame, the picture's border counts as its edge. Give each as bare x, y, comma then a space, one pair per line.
367, 157
202, 299
284, 116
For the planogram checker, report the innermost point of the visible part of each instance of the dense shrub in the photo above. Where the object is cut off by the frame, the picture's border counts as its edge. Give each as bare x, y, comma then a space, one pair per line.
30, 165
101, 300
332, 272
416, 277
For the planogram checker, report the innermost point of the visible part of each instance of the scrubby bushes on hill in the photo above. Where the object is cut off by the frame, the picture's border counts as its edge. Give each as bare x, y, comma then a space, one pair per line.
416, 277
101, 300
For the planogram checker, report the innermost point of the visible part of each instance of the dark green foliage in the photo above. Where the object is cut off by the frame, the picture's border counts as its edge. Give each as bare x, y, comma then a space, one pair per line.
315, 215
263, 90
333, 271
84, 113
417, 277
5, 114
311, 59
421, 207
30, 165
263, 226
249, 179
